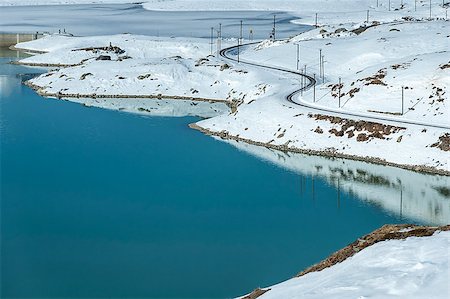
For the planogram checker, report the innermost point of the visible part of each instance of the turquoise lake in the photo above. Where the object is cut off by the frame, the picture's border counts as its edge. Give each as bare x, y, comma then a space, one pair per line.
105, 204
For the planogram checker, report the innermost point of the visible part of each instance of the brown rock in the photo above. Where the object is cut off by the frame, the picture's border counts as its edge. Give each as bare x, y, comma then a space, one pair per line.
362, 137
318, 130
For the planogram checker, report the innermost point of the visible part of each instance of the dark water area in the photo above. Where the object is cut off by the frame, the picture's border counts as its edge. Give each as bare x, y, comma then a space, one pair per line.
103, 204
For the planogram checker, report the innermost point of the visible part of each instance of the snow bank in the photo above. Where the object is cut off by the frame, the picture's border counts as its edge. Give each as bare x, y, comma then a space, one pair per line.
417, 267
140, 66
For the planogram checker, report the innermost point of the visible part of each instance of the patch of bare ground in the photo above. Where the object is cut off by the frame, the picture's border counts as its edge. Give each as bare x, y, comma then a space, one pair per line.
336, 89
256, 293
363, 28
376, 79
109, 48
385, 112
445, 66
386, 232
363, 130
443, 143
437, 94
400, 66
146, 76
352, 92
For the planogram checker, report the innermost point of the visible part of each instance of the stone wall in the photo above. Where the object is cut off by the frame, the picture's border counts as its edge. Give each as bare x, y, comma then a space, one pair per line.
10, 39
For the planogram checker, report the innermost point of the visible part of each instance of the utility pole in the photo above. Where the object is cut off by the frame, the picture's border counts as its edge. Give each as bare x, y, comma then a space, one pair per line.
415, 5
218, 43
377, 3
301, 82
403, 100
219, 37
339, 96
240, 38
316, 20
320, 63
304, 78
367, 17
238, 46
239, 43
298, 55
430, 9
323, 68
314, 89
212, 39
274, 29
389, 5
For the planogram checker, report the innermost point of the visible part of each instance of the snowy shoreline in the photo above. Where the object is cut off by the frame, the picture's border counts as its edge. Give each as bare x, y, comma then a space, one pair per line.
209, 80
337, 276
60, 95
372, 59
325, 153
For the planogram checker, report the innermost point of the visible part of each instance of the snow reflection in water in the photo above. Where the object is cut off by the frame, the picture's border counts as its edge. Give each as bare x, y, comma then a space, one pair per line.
421, 197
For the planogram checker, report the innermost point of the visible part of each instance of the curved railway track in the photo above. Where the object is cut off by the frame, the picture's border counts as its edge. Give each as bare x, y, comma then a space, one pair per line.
225, 53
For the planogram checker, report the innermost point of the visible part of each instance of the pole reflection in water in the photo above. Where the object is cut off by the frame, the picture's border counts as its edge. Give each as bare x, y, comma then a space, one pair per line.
416, 196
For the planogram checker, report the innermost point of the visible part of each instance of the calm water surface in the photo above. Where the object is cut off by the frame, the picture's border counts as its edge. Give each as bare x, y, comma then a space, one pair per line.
98, 203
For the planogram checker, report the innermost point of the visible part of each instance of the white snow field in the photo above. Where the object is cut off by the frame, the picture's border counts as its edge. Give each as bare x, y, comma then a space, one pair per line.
414, 268
183, 67
373, 60
382, 60
177, 67
373, 66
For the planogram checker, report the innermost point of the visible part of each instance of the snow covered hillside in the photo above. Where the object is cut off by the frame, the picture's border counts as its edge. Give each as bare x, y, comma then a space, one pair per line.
140, 66
391, 106
415, 268
383, 59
